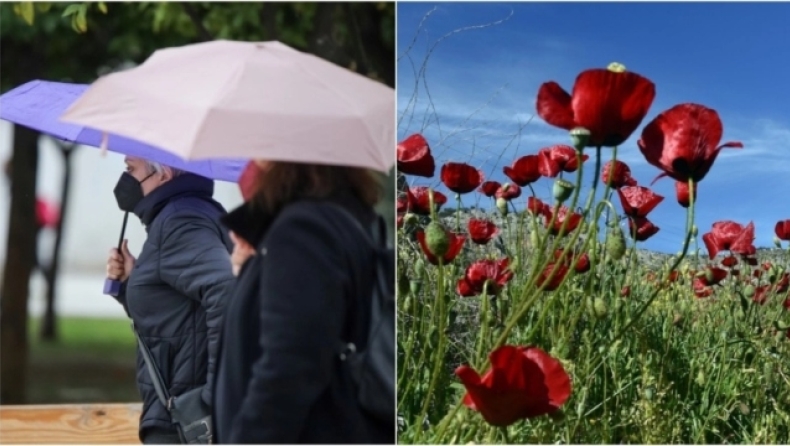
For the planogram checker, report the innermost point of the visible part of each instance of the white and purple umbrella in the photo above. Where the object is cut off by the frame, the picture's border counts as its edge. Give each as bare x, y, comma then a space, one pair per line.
38, 105
261, 100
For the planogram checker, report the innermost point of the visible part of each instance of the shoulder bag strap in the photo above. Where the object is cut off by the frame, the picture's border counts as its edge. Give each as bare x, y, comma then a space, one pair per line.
156, 377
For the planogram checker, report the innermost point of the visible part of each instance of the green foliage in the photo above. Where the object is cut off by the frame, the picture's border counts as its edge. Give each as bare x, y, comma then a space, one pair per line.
688, 370
358, 36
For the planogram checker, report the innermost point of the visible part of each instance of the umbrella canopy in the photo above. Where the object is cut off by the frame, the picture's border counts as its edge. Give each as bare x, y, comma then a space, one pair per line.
260, 100
39, 104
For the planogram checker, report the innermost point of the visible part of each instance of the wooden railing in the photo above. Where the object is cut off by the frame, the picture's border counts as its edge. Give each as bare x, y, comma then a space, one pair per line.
70, 424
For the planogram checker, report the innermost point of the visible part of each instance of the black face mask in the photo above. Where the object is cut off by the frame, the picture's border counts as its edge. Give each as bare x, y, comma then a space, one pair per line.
129, 192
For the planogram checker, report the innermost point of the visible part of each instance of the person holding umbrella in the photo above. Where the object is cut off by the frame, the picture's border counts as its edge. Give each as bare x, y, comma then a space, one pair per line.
175, 291
317, 281
306, 284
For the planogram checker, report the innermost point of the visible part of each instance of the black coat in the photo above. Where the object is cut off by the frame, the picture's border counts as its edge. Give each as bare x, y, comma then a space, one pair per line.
175, 295
279, 377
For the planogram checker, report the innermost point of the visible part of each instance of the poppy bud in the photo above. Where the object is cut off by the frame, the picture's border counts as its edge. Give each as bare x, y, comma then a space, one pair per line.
562, 190
700, 380
649, 392
599, 306
436, 239
749, 291
534, 238
694, 231
615, 243
616, 67
406, 304
501, 204
409, 219
580, 136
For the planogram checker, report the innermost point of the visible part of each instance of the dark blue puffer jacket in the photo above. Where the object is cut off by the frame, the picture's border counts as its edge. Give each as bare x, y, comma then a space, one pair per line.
177, 291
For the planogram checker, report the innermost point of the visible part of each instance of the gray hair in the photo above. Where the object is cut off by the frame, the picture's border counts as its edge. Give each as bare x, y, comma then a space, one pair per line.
154, 167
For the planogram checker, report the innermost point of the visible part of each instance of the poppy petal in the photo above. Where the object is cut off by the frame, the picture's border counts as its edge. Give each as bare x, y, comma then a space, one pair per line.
554, 106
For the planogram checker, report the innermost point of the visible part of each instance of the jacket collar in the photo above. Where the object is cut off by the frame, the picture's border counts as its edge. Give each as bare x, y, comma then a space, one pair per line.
184, 185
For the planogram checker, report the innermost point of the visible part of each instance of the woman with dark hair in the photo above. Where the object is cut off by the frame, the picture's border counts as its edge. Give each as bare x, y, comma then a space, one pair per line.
304, 283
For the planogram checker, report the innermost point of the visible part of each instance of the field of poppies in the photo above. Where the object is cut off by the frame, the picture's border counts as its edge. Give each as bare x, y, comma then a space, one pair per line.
547, 325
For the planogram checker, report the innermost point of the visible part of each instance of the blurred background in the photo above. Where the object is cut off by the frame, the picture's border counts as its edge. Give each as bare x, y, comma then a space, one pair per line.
62, 340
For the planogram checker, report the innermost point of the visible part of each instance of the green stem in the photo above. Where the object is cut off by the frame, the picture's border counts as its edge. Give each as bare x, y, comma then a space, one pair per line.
533, 276
439, 358
457, 213
676, 263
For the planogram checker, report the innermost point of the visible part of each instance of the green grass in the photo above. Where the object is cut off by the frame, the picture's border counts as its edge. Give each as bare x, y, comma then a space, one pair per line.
92, 361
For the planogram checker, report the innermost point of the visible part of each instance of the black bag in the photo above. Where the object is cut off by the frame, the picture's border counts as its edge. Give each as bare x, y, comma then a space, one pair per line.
188, 411
373, 369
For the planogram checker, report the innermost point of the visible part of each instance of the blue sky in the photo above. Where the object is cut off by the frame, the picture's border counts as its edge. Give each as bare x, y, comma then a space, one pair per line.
482, 83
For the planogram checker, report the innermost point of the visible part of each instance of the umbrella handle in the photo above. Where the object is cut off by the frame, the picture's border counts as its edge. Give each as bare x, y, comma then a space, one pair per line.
113, 287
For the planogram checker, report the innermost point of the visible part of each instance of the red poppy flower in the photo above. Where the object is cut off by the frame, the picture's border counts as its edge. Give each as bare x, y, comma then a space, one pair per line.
556, 159
767, 265
399, 221
757, 273
761, 295
524, 382
418, 201
464, 289
489, 188
783, 283
508, 192
729, 235
729, 261
617, 174
609, 104
683, 141
552, 283
747, 258
673, 276
414, 157
456, 243
625, 291
524, 170
493, 272
682, 193
482, 231
786, 304
536, 206
783, 230
638, 201
644, 229
574, 219
582, 263
461, 178
735, 272
700, 290
712, 276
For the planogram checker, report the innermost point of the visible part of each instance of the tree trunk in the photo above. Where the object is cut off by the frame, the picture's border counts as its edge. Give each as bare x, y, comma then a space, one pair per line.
20, 258
49, 329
